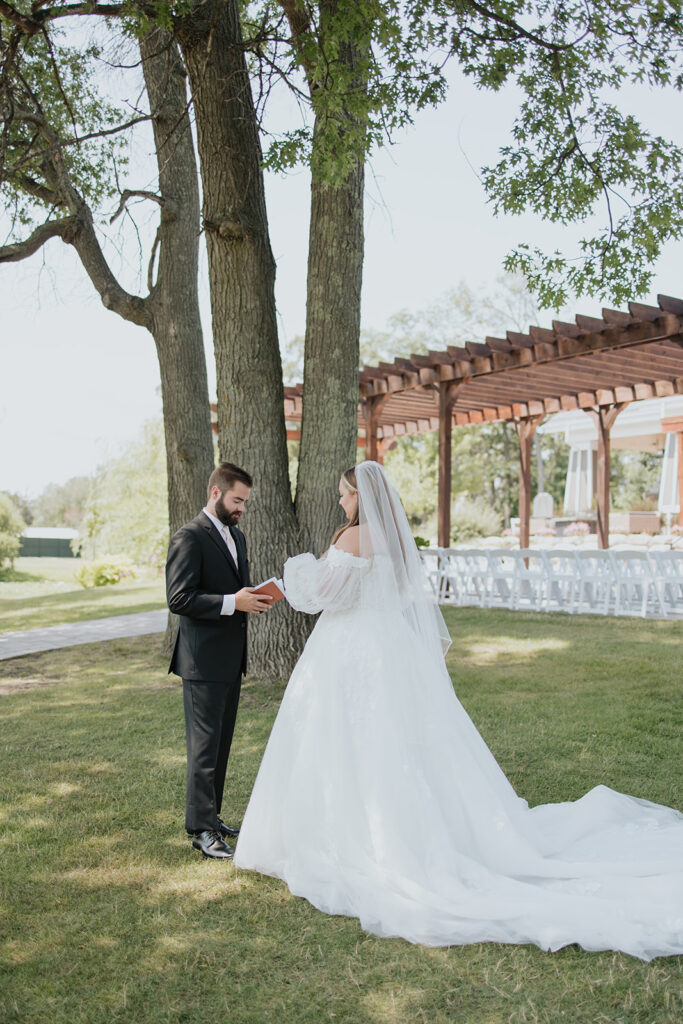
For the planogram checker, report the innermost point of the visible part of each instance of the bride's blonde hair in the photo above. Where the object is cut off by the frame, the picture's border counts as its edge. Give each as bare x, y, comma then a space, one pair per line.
349, 478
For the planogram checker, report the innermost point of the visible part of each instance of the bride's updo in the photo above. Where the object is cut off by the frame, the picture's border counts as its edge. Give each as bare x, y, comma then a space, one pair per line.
349, 478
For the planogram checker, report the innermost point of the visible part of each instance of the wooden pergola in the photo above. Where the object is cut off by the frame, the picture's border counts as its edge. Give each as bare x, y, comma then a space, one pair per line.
598, 365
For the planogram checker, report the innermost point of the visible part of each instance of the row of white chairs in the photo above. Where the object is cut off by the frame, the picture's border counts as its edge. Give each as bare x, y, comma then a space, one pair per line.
645, 583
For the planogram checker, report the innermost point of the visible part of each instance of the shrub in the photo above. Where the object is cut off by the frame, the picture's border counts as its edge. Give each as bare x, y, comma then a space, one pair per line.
105, 571
472, 517
421, 542
9, 548
11, 528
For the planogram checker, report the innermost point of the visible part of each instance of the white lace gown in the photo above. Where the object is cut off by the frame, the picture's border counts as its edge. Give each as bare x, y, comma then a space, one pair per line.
377, 798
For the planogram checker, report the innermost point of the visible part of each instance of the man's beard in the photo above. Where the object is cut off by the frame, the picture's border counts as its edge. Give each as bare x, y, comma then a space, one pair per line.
227, 518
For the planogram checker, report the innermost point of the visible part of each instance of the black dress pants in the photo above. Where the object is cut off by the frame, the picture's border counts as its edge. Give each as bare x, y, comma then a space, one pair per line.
210, 713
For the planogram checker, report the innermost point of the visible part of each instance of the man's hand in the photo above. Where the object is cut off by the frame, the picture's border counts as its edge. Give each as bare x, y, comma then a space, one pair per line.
247, 601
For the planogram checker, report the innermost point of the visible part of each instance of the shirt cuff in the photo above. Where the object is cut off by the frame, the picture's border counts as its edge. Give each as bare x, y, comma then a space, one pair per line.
228, 604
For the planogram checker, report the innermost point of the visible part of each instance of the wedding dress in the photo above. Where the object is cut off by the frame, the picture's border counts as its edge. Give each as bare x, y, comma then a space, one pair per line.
377, 798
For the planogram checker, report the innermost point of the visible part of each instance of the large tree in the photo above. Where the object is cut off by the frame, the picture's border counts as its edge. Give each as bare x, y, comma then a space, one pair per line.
60, 163
363, 67
329, 46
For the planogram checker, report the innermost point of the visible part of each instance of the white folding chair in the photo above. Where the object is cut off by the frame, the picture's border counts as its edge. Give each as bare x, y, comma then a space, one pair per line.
635, 585
502, 574
562, 581
667, 568
530, 579
594, 593
476, 577
453, 583
432, 559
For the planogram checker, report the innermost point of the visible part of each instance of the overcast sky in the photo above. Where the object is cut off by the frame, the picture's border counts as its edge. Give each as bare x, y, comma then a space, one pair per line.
77, 381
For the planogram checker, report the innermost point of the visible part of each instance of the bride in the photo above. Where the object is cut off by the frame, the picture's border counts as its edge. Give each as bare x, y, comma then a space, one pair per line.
377, 798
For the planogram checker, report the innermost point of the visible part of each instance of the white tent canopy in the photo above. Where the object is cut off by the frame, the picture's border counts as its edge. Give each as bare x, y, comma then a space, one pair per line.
638, 427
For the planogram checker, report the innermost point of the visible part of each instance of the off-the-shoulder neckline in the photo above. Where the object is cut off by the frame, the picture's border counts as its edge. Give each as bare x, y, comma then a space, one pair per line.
340, 551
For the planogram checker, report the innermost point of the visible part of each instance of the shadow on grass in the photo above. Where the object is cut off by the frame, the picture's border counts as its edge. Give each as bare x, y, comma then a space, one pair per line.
75, 605
110, 916
11, 575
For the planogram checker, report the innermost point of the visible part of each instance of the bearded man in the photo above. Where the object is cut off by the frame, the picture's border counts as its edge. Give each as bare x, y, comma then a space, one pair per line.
208, 587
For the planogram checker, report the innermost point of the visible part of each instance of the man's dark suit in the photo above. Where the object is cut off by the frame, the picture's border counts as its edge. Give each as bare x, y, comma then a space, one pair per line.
210, 654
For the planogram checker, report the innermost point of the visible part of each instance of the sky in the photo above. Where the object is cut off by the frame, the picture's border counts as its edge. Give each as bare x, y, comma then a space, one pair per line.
77, 382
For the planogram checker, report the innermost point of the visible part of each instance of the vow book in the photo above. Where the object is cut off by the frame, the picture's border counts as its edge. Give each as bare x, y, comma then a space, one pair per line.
275, 588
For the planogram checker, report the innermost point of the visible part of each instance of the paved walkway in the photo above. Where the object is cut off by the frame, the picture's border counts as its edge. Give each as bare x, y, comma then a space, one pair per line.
32, 641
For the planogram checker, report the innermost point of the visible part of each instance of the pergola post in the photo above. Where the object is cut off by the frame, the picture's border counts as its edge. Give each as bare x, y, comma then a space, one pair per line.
604, 417
526, 428
448, 393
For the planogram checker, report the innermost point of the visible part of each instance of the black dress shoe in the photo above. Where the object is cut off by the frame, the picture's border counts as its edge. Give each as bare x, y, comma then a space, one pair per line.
226, 830
211, 845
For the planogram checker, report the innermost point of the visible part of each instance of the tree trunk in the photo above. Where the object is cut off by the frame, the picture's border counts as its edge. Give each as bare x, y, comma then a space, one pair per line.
330, 419
329, 426
251, 425
174, 301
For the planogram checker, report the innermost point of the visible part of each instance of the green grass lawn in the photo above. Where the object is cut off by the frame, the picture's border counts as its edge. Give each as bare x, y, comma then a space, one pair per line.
44, 592
108, 915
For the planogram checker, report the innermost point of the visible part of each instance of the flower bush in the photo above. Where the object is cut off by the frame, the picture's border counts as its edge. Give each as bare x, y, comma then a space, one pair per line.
105, 571
578, 529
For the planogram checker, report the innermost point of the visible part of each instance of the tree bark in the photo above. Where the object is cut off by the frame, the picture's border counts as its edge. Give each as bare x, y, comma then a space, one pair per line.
250, 398
329, 425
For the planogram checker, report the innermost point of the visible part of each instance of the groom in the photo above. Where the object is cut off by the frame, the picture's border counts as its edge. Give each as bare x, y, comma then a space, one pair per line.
207, 585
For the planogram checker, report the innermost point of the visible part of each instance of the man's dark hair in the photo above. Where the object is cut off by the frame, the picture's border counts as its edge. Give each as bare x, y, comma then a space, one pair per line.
225, 475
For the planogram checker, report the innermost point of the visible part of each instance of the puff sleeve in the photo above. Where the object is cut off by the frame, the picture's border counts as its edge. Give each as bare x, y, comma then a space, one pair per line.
324, 584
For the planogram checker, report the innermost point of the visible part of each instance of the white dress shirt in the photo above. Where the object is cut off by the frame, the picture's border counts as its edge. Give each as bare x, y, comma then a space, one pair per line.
228, 599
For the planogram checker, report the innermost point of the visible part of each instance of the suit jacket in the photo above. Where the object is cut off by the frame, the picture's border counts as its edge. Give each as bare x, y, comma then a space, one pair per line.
199, 571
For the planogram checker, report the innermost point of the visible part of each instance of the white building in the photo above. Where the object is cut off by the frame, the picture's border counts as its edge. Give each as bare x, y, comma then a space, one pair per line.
639, 428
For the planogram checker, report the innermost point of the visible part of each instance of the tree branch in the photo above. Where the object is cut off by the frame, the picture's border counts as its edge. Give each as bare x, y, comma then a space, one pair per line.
63, 228
58, 78
38, 190
31, 117
102, 10
29, 26
141, 193
77, 139
113, 296
152, 258
299, 24
524, 33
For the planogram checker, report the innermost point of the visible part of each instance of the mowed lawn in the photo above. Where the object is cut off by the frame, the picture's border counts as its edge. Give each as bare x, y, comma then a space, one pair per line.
108, 915
44, 592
